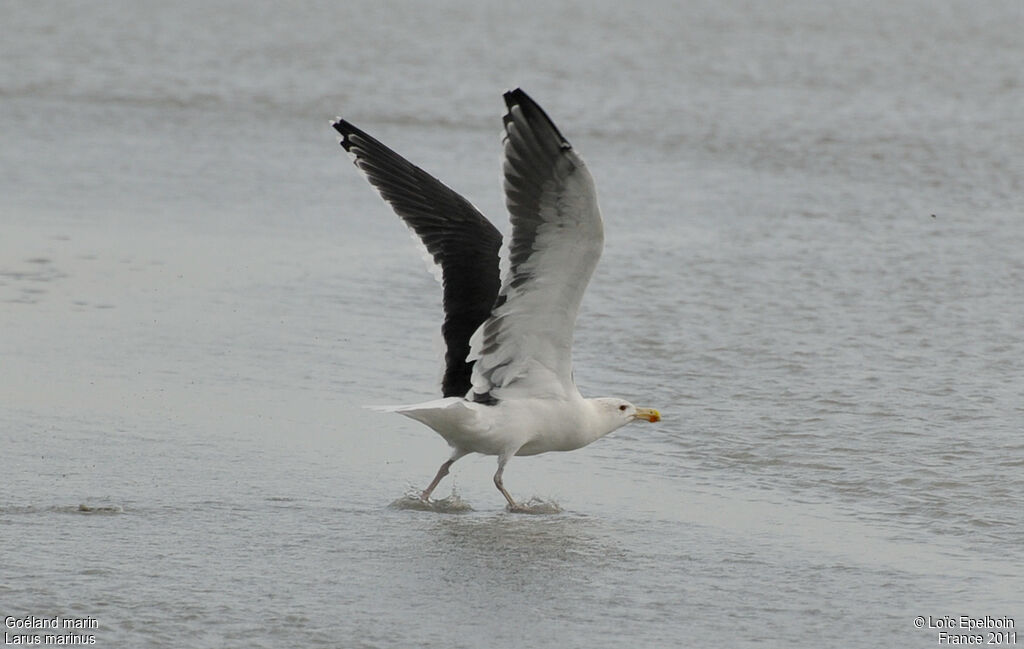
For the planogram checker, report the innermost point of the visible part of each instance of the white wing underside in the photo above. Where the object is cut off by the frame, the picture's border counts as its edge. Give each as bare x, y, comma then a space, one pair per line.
525, 348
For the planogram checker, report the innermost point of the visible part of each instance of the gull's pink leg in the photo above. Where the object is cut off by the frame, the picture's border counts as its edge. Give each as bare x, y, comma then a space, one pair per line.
512, 506
441, 473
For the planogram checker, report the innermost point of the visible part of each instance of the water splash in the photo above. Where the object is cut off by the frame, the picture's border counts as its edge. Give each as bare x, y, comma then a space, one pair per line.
453, 504
537, 505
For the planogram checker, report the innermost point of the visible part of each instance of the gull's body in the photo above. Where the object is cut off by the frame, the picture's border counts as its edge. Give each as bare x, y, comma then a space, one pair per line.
508, 387
518, 426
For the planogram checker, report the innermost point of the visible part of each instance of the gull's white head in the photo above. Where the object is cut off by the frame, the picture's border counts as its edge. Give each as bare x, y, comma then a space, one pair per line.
615, 413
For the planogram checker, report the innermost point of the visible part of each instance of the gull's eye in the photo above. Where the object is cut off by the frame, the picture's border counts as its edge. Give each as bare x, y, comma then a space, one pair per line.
622, 407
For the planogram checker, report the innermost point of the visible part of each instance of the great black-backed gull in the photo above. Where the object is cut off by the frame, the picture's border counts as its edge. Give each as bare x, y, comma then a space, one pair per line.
508, 387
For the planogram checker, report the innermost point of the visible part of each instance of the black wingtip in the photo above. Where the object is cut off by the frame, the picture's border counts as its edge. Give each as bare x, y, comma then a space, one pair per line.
515, 96
531, 111
346, 129
518, 97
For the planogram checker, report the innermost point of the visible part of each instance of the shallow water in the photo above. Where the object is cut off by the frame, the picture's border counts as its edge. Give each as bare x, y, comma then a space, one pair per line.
813, 269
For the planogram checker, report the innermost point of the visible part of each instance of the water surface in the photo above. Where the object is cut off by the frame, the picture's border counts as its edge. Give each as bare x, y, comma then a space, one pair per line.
813, 269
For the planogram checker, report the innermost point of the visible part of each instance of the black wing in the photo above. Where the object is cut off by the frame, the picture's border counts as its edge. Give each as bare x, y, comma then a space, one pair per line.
462, 241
